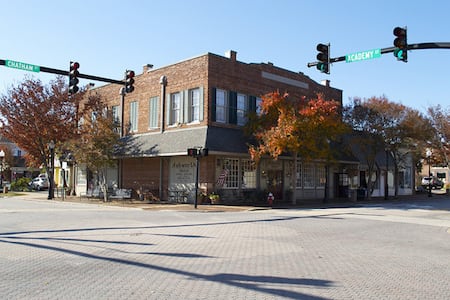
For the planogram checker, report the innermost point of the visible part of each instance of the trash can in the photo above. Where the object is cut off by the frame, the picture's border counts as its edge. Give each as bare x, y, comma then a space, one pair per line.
5, 189
361, 194
352, 195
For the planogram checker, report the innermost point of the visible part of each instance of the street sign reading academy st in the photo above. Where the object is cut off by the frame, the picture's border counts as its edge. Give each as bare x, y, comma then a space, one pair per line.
363, 55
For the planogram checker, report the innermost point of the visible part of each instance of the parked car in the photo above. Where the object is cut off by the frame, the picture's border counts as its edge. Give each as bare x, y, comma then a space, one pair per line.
39, 183
435, 182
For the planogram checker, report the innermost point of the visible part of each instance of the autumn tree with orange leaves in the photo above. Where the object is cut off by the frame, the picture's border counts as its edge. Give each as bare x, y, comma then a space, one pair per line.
301, 128
33, 114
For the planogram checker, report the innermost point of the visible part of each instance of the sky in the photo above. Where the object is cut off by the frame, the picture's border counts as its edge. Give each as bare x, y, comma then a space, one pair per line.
108, 37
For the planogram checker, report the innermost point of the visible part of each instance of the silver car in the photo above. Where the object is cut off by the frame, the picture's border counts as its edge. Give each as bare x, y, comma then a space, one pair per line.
434, 182
39, 183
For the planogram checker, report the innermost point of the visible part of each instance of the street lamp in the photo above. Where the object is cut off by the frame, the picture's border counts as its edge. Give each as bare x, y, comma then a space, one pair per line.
428, 154
51, 147
386, 181
2, 157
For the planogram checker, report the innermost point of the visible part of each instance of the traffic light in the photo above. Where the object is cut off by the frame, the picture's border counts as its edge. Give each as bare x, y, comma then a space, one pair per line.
129, 81
192, 152
324, 58
196, 152
73, 77
401, 42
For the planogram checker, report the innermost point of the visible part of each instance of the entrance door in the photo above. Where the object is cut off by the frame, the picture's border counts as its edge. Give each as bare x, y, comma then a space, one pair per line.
341, 182
275, 183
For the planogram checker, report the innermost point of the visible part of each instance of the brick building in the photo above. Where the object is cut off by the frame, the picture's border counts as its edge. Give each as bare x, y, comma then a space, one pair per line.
202, 102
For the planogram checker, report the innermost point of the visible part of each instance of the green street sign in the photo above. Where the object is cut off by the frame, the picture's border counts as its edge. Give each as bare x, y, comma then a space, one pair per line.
363, 55
22, 66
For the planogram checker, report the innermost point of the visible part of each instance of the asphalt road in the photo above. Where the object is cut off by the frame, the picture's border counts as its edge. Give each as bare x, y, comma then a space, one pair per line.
65, 250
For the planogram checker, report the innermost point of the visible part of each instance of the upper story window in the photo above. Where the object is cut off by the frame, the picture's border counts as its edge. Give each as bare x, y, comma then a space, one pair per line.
221, 105
115, 110
153, 112
134, 116
115, 113
258, 106
175, 109
194, 105
241, 109
232, 107
185, 107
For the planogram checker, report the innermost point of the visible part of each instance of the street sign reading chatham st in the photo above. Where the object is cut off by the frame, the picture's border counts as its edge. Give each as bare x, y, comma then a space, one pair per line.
363, 55
22, 66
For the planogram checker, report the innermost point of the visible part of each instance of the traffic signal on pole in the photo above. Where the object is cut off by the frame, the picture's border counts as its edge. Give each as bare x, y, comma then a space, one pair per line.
401, 43
73, 77
129, 81
192, 152
324, 58
196, 152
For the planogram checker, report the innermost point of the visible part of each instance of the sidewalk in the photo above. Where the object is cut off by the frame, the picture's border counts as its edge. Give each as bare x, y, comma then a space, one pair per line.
230, 208
134, 203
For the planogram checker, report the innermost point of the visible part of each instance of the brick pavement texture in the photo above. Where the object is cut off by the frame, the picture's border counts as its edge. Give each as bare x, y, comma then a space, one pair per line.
79, 251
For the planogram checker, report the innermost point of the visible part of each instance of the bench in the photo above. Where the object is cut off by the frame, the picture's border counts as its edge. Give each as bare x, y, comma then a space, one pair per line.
120, 194
112, 194
178, 196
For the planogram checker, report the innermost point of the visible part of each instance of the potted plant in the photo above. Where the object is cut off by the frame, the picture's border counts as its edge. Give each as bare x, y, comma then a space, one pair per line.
215, 198
202, 197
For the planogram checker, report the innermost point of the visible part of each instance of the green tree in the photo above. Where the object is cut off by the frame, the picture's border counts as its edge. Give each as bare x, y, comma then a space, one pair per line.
401, 130
440, 118
365, 140
98, 139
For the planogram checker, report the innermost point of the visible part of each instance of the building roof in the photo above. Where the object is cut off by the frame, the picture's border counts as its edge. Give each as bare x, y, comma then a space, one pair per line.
176, 142
218, 140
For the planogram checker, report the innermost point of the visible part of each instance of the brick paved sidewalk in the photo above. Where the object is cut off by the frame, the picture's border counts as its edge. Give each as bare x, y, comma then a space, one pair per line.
222, 208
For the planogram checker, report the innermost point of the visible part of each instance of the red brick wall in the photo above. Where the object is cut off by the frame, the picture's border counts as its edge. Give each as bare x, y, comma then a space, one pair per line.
209, 71
246, 78
205, 71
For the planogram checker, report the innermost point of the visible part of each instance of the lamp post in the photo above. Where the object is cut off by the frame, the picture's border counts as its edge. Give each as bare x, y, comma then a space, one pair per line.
386, 181
51, 147
428, 154
2, 157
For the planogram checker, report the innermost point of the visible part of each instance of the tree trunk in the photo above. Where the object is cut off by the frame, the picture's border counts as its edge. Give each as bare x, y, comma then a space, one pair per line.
103, 185
396, 180
294, 179
370, 172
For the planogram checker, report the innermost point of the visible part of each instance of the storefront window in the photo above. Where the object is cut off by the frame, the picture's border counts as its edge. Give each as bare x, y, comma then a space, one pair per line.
405, 178
299, 175
236, 173
308, 175
229, 173
320, 175
248, 174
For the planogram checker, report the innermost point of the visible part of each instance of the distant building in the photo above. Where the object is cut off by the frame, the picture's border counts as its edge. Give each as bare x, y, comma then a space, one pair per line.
14, 165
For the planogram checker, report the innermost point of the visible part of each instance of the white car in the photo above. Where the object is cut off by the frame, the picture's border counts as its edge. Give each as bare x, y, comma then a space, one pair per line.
39, 183
433, 181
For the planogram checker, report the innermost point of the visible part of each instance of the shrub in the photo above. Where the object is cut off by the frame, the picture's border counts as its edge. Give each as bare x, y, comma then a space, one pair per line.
21, 185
